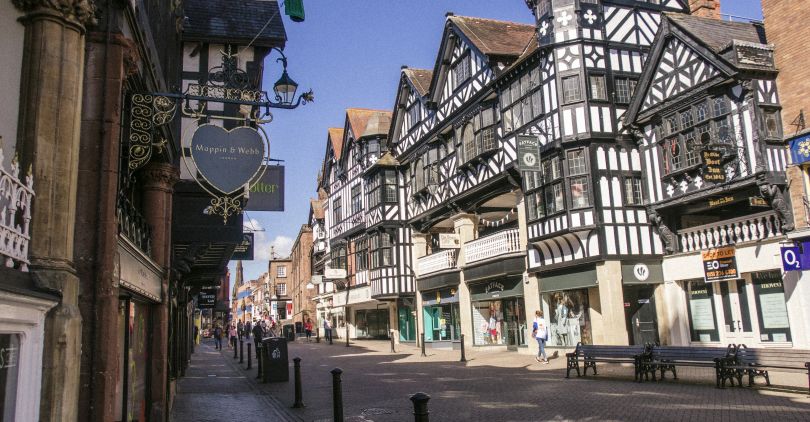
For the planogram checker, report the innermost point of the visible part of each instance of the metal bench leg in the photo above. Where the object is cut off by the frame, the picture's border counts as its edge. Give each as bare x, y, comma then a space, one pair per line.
767, 379
573, 363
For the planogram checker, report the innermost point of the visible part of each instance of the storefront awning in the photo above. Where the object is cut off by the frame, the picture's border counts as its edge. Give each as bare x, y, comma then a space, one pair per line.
501, 268
567, 281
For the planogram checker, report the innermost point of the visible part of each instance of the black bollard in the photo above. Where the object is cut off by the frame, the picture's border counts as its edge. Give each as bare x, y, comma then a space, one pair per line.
259, 356
233, 343
422, 337
420, 408
337, 396
299, 401
317, 335
392, 343
463, 357
249, 358
241, 351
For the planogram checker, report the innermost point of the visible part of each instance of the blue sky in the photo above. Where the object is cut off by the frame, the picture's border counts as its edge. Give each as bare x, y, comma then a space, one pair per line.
350, 53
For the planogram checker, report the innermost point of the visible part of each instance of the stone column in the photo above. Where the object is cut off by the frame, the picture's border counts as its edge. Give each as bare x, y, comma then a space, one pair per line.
48, 140
609, 317
418, 250
466, 227
531, 288
158, 185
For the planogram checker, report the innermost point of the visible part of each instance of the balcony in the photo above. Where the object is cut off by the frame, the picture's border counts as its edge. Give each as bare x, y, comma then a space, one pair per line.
750, 228
442, 260
132, 225
498, 244
15, 215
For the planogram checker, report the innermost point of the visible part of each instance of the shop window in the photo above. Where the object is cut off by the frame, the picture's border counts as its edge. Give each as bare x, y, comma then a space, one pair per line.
567, 315
442, 322
700, 305
769, 292
9, 374
598, 87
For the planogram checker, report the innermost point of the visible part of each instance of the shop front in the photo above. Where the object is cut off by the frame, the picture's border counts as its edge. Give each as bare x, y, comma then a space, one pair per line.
639, 283
369, 318
140, 282
742, 302
499, 313
406, 319
442, 317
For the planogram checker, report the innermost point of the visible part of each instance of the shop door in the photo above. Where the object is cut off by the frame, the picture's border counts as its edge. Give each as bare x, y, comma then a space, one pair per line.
736, 323
639, 306
515, 323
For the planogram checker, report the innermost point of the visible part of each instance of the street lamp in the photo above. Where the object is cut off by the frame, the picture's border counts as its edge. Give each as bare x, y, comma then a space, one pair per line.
285, 88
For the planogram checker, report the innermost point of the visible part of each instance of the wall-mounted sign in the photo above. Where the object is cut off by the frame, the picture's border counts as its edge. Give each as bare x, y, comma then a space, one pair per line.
207, 298
800, 149
334, 273
138, 273
641, 272
713, 166
244, 250
316, 279
227, 160
758, 201
719, 264
791, 258
449, 241
268, 193
725, 200
528, 151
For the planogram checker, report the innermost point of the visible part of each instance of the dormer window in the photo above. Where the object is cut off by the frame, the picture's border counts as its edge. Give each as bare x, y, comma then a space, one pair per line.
461, 71
414, 114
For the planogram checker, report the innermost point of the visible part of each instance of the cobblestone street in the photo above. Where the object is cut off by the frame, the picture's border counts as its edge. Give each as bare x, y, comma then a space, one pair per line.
492, 386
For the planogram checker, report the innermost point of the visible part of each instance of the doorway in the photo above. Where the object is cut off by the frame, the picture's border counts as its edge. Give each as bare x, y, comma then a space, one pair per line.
737, 323
639, 309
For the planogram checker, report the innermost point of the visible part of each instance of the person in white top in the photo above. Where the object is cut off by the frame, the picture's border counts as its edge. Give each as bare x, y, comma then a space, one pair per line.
540, 333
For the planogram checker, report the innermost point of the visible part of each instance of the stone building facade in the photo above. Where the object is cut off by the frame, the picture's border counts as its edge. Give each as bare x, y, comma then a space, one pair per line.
301, 290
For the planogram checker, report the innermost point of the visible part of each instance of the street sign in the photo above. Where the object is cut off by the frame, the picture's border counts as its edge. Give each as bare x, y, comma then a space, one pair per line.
268, 193
791, 258
334, 273
316, 279
207, 298
720, 264
244, 250
528, 150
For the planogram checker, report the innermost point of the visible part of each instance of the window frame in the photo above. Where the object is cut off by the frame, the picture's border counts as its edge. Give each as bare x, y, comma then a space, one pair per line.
528, 97
337, 209
356, 193
484, 137
361, 261
281, 271
591, 93
632, 84
633, 191
689, 137
381, 246
463, 62
582, 174
578, 85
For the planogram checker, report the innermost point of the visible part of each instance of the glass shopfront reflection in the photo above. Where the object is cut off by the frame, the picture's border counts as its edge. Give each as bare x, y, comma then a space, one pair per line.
441, 314
567, 315
498, 313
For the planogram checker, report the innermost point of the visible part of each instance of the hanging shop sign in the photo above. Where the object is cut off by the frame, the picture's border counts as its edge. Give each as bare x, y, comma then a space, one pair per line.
528, 149
207, 298
449, 241
244, 250
713, 166
719, 264
227, 159
800, 149
268, 193
334, 273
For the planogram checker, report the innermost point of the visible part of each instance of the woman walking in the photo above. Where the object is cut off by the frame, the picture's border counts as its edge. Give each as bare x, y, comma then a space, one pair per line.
540, 333
233, 334
308, 328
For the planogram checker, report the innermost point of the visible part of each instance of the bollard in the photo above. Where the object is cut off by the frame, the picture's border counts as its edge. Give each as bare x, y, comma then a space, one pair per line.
249, 357
259, 356
317, 335
392, 343
233, 343
337, 396
299, 402
463, 357
241, 351
422, 337
420, 409
330, 339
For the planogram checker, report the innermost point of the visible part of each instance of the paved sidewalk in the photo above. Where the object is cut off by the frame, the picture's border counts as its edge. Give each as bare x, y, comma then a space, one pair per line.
491, 386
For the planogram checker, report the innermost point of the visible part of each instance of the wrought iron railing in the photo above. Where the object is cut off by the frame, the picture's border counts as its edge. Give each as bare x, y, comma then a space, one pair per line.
132, 225
728, 232
442, 260
501, 243
15, 214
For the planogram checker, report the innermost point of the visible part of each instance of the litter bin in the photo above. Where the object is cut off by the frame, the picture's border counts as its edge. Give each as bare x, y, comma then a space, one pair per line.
289, 332
276, 365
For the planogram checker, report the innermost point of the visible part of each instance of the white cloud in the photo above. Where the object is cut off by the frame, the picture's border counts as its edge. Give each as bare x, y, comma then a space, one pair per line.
262, 243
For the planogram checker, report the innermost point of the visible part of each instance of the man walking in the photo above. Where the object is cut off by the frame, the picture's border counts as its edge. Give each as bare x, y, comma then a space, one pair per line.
258, 334
327, 329
240, 329
218, 338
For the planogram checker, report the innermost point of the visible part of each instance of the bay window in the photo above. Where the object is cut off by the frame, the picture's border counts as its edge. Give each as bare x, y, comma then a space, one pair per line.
578, 179
479, 135
357, 199
361, 254
382, 188
688, 131
381, 250
521, 101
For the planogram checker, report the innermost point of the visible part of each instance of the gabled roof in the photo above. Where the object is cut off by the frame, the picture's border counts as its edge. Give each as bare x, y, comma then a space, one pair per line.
680, 37
419, 78
316, 206
716, 34
365, 122
234, 21
336, 140
493, 37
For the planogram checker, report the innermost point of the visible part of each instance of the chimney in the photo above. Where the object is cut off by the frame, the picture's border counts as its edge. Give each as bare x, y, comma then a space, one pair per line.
705, 8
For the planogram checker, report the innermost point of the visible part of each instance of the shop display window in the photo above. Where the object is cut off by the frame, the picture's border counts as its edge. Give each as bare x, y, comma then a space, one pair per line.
488, 323
442, 322
700, 304
567, 315
769, 291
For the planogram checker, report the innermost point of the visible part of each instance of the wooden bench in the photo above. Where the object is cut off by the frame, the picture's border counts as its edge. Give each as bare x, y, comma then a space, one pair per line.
756, 363
668, 358
591, 354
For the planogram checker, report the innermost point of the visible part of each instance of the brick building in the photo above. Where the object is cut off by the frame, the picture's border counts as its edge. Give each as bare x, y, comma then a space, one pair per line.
300, 276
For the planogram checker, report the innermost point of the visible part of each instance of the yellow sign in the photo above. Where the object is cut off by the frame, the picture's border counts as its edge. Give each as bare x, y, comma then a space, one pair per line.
719, 264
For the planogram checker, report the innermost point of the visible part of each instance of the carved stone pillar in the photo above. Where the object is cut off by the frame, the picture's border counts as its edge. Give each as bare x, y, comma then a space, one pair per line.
159, 179
51, 89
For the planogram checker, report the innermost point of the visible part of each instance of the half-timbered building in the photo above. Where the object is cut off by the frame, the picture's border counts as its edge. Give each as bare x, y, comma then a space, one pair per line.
460, 187
706, 119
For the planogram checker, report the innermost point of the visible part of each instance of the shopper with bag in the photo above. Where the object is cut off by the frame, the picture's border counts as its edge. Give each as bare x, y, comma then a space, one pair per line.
540, 332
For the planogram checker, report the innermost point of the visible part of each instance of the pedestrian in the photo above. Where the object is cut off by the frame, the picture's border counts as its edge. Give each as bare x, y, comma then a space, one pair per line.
233, 335
248, 329
273, 328
327, 329
240, 329
308, 328
218, 338
196, 334
258, 334
540, 333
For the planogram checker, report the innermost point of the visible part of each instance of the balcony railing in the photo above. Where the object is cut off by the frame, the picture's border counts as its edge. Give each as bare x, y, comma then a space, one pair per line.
501, 243
745, 229
132, 225
15, 214
442, 260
